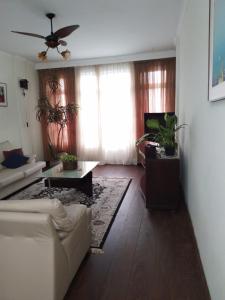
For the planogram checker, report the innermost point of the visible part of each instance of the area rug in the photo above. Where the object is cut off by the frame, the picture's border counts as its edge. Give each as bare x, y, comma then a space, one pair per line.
108, 194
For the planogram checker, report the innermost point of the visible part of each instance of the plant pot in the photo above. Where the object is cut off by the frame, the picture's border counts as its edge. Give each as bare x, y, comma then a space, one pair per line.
169, 151
69, 165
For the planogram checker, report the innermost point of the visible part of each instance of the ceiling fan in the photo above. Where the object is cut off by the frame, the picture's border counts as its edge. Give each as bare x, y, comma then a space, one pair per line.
54, 39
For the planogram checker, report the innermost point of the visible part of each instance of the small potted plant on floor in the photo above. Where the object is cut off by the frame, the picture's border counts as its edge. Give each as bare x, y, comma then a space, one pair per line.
69, 161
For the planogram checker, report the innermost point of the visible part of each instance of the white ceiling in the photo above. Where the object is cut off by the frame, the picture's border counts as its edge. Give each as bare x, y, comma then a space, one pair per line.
107, 27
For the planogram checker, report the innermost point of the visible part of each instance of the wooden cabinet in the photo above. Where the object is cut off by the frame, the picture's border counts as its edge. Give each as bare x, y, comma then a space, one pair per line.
161, 182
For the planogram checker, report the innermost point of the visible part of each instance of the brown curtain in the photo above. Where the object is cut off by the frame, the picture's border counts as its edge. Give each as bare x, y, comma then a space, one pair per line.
154, 82
63, 139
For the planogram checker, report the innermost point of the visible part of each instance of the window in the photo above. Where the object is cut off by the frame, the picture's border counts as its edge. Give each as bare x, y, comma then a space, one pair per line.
106, 118
154, 88
157, 84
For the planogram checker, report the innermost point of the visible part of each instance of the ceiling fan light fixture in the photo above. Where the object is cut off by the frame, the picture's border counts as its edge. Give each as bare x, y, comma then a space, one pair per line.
42, 56
66, 54
54, 39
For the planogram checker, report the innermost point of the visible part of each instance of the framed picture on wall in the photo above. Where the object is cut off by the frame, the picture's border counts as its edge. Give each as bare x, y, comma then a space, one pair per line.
217, 51
3, 94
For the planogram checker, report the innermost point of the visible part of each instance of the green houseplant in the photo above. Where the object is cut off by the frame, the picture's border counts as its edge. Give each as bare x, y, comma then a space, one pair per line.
163, 135
53, 112
69, 161
58, 115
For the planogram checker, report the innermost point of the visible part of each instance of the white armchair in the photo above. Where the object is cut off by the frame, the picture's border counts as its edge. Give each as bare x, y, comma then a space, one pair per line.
39, 256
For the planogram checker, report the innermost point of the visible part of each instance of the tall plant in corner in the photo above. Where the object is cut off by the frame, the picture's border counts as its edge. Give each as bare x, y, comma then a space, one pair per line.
57, 114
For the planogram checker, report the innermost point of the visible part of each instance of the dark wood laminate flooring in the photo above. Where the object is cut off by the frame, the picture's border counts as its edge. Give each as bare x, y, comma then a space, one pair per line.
147, 255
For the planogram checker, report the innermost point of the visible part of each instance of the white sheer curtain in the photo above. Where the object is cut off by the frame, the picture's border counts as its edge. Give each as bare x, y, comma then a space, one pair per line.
157, 91
106, 118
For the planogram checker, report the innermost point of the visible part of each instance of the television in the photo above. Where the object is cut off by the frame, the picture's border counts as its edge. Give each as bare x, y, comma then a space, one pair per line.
155, 116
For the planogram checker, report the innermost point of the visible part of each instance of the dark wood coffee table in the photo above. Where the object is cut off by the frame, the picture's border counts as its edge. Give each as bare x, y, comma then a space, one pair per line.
81, 178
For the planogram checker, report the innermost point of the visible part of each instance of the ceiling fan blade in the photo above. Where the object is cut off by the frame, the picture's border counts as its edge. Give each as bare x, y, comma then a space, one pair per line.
30, 34
65, 31
63, 43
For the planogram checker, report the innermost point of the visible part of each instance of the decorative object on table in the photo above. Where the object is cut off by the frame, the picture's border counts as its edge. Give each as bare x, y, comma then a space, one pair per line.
156, 120
150, 151
108, 194
57, 114
69, 161
163, 135
217, 51
53, 40
3, 94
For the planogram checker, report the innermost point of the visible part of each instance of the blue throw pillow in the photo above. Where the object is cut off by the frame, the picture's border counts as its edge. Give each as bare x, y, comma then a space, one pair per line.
15, 161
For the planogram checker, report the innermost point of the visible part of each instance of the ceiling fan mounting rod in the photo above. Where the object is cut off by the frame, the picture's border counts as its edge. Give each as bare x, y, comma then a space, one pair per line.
50, 16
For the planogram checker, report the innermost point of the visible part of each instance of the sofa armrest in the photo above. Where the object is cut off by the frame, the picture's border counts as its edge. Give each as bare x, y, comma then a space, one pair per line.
21, 224
32, 259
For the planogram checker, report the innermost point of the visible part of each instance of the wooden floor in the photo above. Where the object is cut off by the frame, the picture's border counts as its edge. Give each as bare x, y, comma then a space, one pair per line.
147, 255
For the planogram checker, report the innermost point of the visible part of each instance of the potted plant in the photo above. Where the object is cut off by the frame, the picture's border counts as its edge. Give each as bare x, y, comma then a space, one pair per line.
69, 161
163, 135
52, 110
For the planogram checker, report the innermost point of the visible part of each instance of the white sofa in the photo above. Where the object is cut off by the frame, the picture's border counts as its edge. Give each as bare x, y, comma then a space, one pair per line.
42, 245
12, 180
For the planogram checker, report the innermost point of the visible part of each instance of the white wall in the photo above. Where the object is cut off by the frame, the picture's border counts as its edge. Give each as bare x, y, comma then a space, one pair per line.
202, 145
20, 110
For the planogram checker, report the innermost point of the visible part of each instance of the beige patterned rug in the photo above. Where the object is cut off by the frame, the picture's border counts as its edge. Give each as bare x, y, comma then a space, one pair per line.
108, 194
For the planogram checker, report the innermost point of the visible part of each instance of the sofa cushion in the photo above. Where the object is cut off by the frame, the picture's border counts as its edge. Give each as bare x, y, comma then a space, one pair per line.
8, 153
15, 161
31, 168
3, 147
23, 171
8, 176
53, 207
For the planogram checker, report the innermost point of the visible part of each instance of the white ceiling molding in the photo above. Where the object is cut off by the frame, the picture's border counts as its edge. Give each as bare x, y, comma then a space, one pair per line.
106, 60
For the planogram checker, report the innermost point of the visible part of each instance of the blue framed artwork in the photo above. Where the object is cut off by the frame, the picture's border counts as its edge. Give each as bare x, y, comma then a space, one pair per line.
217, 51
